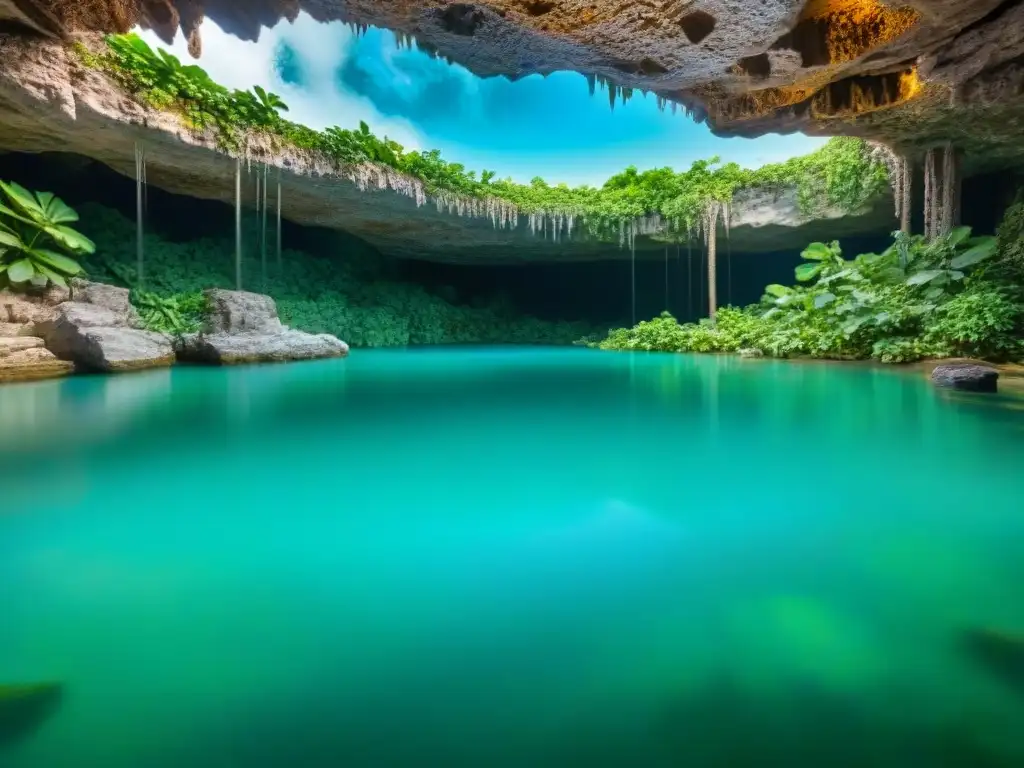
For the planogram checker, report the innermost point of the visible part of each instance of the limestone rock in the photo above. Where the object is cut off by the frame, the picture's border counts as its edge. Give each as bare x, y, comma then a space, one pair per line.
231, 349
23, 708
26, 309
966, 377
750, 352
241, 312
10, 330
97, 338
110, 297
33, 364
9, 346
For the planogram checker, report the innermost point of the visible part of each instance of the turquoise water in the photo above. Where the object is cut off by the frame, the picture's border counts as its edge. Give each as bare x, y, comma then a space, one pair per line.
511, 558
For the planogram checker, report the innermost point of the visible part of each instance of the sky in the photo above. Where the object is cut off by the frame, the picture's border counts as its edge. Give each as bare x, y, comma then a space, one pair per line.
538, 126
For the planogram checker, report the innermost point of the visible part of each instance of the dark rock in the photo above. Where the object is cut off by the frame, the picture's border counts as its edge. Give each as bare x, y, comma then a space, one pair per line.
23, 708
241, 312
231, 349
968, 378
97, 338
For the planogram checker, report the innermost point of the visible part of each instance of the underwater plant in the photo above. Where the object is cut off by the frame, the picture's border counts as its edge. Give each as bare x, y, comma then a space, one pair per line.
33, 233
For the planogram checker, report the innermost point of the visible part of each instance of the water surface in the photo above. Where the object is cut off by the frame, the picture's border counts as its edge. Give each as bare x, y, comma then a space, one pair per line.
502, 557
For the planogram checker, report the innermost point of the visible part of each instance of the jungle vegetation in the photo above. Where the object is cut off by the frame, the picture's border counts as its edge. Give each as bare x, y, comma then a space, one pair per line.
954, 296
349, 294
844, 173
37, 247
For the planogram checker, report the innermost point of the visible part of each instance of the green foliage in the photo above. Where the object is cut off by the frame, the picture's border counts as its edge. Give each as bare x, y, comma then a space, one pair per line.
32, 226
843, 173
1011, 241
917, 299
177, 314
346, 294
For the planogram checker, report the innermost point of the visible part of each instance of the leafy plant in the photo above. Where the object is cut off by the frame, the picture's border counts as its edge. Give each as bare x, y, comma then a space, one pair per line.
178, 314
32, 226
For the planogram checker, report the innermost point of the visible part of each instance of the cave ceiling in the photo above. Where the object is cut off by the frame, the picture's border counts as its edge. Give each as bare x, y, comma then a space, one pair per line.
913, 74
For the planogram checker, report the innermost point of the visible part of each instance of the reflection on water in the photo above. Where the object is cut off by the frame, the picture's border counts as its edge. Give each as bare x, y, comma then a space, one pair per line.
510, 558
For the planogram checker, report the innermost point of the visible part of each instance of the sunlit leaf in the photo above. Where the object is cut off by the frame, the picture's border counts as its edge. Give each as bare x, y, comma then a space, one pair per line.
816, 252
777, 290
924, 277
807, 272
20, 271
958, 235
823, 300
56, 261
972, 256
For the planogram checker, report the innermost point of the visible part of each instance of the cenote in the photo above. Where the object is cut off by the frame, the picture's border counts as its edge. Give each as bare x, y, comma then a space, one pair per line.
320, 450
513, 557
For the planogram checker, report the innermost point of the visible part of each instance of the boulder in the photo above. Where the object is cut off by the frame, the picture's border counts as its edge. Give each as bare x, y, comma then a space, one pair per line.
231, 349
750, 352
23, 708
99, 338
111, 297
9, 346
241, 312
9, 330
28, 308
33, 364
966, 377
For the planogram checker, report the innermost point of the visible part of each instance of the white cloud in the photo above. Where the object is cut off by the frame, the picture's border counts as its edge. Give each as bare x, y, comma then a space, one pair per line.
319, 104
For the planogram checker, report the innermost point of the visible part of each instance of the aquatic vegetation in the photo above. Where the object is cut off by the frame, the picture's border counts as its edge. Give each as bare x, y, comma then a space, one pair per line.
845, 173
347, 295
916, 299
24, 707
32, 225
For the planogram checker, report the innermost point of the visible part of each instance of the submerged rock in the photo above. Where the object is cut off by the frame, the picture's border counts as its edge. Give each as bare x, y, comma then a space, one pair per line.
966, 377
100, 339
23, 708
1000, 653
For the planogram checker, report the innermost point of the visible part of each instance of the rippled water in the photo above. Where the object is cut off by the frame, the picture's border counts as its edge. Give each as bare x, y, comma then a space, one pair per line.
511, 558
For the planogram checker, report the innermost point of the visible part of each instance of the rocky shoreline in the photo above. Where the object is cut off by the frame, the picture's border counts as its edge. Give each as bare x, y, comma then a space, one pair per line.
92, 327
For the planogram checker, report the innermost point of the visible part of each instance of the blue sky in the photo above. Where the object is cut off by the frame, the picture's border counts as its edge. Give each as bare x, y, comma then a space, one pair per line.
549, 127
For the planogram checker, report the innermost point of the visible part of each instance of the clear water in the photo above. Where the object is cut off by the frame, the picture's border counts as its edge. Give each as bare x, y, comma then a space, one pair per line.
511, 558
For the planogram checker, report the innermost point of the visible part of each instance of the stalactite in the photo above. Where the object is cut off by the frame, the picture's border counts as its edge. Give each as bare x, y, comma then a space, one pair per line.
666, 278
689, 278
277, 230
238, 224
632, 273
263, 233
140, 183
591, 84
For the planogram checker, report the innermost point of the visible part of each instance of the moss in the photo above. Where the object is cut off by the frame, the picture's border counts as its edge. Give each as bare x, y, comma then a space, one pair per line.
23, 708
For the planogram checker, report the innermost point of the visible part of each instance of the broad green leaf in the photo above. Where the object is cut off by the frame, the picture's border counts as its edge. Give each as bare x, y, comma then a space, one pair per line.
924, 277
56, 211
853, 324
807, 272
52, 276
777, 290
973, 255
956, 275
823, 300
816, 252
958, 235
771, 312
934, 293
71, 239
20, 271
23, 200
9, 238
57, 261
882, 317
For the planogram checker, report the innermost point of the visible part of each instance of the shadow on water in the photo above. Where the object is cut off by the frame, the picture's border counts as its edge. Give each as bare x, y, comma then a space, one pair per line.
24, 708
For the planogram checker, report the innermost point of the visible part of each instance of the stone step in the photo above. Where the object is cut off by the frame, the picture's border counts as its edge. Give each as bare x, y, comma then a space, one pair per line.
9, 330
9, 346
32, 364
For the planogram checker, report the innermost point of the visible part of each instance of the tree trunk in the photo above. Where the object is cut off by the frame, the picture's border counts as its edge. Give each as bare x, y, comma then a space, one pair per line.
906, 194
